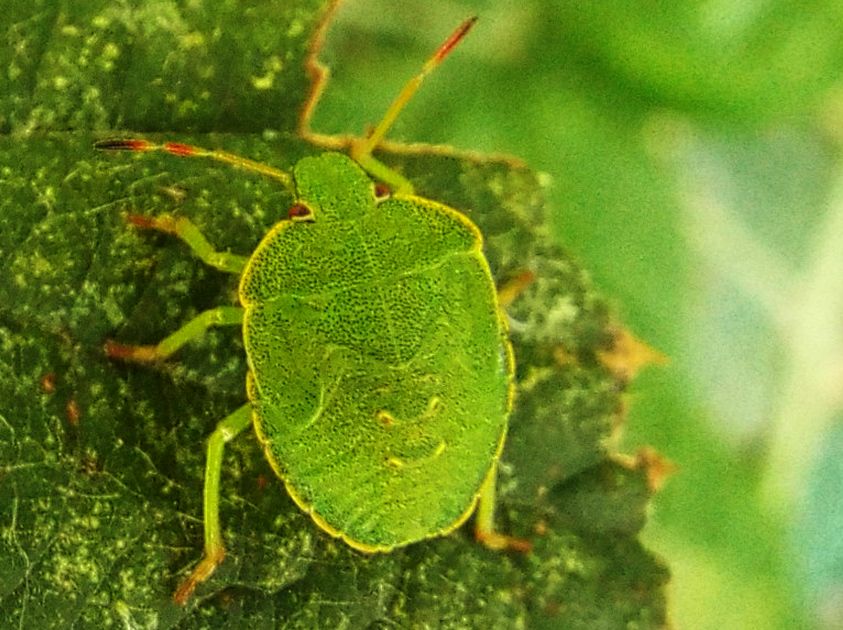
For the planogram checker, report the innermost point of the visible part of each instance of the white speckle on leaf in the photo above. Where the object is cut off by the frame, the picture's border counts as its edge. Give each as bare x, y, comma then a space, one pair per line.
562, 312
192, 40
110, 51
272, 67
101, 21
295, 29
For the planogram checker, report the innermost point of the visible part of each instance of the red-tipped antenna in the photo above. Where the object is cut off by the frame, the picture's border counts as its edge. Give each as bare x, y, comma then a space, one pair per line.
188, 150
453, 40
366, 147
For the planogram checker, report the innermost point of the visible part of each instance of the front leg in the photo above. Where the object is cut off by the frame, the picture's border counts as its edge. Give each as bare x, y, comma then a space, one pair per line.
187, 231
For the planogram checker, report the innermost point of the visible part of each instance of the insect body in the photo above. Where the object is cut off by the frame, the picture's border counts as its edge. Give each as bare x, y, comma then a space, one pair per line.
380, 373
380, 367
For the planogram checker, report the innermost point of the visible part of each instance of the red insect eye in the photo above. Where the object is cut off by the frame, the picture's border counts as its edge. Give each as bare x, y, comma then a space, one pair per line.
299, 212
382, 191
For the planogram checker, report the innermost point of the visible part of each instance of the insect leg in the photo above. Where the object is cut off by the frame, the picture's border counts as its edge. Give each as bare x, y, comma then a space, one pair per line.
484, 524
226, 430
509, 291
195, 328
187, 231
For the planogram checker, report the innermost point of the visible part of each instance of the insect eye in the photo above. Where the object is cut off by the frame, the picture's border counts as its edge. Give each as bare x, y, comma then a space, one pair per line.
300, 212
382, 191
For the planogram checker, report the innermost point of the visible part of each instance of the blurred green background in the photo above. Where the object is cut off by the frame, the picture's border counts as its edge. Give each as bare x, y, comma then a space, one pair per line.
693, 150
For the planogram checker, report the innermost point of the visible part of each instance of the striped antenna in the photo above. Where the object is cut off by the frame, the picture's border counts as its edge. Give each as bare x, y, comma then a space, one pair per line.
188, 150
374, 139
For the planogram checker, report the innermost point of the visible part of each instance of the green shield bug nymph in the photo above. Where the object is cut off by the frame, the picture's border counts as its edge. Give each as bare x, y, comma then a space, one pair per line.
380, 373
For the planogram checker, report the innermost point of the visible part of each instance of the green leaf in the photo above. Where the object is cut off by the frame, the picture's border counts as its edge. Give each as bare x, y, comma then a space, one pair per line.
101, 463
